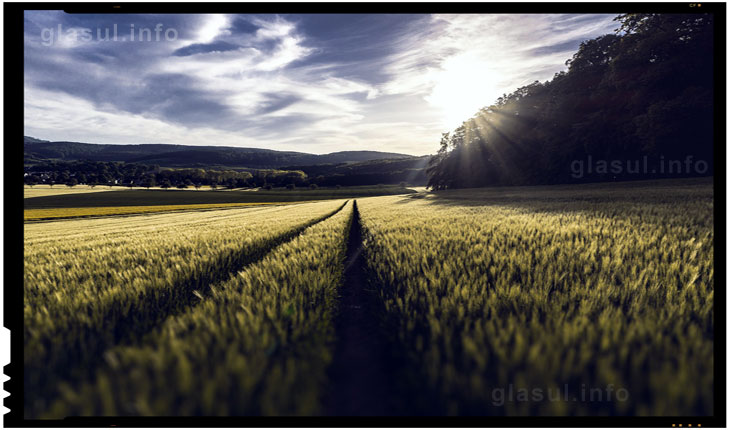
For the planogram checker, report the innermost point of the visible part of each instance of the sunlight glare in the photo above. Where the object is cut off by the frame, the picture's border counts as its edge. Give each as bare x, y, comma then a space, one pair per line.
464, 84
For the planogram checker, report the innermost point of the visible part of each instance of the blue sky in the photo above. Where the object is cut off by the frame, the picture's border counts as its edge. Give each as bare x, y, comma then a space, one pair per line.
311, 83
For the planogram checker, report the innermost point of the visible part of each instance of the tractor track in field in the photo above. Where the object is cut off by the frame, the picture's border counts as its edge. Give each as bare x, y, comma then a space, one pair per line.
360, 378
189, 286
80, 365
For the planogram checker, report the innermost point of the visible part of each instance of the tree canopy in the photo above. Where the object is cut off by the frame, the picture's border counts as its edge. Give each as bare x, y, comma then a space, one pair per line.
645, 92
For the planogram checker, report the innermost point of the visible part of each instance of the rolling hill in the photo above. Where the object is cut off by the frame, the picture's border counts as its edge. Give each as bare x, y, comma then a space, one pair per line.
191, 156
411, 170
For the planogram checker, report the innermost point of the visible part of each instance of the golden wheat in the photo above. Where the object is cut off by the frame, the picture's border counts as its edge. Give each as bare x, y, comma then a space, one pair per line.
539, 288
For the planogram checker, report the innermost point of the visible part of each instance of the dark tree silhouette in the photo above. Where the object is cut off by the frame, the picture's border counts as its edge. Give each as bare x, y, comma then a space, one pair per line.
646, 91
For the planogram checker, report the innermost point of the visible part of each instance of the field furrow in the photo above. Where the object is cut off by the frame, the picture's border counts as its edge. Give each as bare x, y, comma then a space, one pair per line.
360, 382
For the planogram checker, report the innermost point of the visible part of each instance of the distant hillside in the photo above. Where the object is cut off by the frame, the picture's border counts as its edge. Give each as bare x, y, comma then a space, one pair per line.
34, 140
191, 156
411, 170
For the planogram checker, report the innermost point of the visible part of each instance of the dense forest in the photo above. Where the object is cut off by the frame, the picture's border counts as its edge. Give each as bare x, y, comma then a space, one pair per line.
632, 105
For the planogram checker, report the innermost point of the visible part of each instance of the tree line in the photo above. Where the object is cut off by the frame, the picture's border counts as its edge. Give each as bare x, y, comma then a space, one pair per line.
372, 172
631, 105
95, 173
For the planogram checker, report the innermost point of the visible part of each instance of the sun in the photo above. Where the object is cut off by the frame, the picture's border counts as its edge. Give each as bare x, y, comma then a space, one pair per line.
463, 85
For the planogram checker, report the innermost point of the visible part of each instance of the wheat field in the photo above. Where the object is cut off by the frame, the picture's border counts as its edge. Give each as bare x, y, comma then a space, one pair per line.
554, 290
488, 301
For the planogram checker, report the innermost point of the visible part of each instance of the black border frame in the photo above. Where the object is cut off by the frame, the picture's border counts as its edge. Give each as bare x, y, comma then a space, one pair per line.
13, 224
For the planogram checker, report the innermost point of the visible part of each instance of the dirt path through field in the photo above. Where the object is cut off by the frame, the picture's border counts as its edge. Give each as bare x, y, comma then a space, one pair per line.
360, 382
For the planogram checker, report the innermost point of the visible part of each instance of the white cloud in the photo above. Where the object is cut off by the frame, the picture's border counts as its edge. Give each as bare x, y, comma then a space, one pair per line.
248, 76
75, 119
214, 25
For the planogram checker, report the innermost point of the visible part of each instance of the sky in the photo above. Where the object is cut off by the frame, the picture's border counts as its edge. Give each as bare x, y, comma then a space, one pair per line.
310, 83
